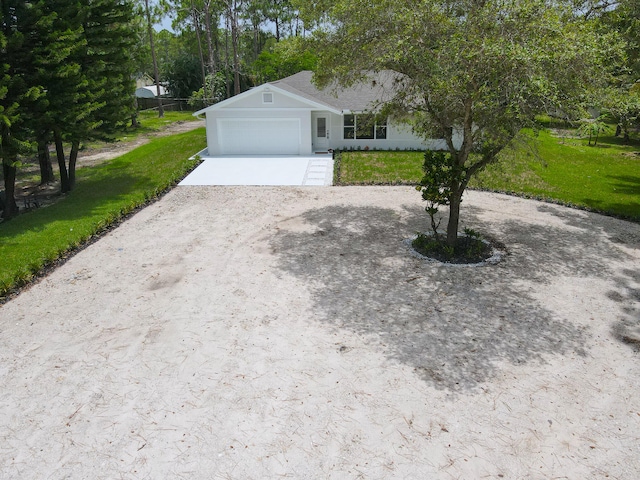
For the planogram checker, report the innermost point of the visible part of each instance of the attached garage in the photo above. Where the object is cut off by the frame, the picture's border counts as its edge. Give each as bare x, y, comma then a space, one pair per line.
259, 136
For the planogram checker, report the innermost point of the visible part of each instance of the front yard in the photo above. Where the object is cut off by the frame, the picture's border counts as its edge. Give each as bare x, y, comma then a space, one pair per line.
104, 193
603, 178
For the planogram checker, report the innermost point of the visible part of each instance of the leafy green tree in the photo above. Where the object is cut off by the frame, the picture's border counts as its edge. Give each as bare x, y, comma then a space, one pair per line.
279, 60
184, 76
622, 101
434, 185
472, 71
628, 21
213, 92
593, 128
622, 105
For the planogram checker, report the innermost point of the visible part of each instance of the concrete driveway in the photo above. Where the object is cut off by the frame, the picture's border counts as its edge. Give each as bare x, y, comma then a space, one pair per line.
258, 333
267, 170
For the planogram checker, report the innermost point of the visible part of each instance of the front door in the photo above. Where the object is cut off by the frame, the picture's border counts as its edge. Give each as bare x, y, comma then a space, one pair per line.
321, 132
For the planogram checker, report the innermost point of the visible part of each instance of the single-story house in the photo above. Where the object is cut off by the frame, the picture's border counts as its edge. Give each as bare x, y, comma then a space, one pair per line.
150, 91
292, 117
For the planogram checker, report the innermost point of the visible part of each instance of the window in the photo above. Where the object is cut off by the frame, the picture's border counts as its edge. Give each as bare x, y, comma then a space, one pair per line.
321, 130
267, 97
365, 126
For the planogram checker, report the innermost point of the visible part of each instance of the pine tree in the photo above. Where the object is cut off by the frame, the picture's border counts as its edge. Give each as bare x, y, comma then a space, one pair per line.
108, 61
59, 39
107, 72
90, 93
18, 93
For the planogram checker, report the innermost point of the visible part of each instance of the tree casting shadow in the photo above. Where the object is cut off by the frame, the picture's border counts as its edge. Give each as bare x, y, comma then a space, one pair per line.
452, 325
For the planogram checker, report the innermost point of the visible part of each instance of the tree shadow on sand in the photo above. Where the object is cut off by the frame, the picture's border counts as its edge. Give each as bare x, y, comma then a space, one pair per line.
627, 328
452, 325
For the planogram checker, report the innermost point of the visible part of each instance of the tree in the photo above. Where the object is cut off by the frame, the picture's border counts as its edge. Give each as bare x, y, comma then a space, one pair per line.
156, 75
108, 63
282, 59
622, 101
593, 128
19, 96
8, 206
184, 76
233, 14
70, 103
628, 22
279, 12
212, 92
471, 71
107, 71
203, 16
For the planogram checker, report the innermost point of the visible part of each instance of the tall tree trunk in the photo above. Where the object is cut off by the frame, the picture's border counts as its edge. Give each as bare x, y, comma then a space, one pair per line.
226, 51
454, 214
156, 75
44, 159
196, 25
73, 159
65, 186
9, 171
234, 44
209, 35
134, 114
256, 42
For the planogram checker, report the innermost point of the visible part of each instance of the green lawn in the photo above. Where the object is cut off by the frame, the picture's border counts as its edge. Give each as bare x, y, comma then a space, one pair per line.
103, 194
604, 178
380, 167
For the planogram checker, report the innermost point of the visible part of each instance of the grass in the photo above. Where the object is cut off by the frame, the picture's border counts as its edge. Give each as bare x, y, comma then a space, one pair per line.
604, 178
380, 167
103, 195
148, 122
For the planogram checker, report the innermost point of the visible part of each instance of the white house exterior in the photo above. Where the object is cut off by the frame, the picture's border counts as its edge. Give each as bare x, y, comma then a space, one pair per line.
292, 117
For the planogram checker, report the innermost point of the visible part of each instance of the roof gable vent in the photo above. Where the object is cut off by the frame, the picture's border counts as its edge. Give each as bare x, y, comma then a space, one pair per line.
267, 97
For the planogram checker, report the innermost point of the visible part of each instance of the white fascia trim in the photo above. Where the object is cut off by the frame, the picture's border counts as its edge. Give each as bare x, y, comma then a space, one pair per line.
262, 88
281, 109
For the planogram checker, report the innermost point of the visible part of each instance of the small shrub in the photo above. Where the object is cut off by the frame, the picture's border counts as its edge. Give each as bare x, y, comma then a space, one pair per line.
470, 232
434, 185
468, 249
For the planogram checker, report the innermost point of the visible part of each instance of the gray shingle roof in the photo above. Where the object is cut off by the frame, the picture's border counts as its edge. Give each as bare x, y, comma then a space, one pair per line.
360, 97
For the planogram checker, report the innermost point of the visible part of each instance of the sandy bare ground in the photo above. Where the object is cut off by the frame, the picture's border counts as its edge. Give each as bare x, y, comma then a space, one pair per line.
250, 333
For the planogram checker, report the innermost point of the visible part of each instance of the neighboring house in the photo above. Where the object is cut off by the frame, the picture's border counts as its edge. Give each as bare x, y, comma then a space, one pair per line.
292, 117
150, 91
143, 80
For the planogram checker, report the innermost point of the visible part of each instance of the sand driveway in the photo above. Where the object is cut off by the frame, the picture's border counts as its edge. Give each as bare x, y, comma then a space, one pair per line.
252, 333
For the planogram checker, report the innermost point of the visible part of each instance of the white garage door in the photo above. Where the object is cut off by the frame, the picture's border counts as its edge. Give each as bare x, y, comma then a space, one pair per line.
268, 136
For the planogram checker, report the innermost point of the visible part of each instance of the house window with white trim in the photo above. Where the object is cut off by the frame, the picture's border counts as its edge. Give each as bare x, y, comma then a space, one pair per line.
365, 126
